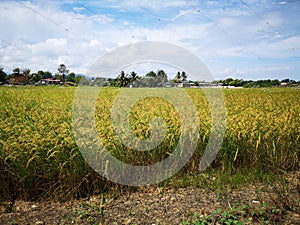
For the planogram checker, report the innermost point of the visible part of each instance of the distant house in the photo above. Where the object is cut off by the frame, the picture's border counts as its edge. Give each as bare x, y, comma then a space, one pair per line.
19, 79
283, 84
49, 81
187, 84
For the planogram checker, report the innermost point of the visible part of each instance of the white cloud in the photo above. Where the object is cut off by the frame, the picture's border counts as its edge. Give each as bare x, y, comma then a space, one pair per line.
282, 3
78, 9
102, 19
181, 13
278, 49
65, 32
155, 5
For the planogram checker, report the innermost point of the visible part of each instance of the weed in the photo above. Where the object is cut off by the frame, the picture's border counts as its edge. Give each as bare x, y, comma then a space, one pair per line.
239, 215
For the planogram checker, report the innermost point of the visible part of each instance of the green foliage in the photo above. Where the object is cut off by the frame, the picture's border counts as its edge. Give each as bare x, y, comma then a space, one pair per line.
16, 71
3, 75
122, 79
199, 220
82, 80
151, 79
151, 74
257, 83
71, 77
26, 72
44, 74
85, 210
238, 216
35, 77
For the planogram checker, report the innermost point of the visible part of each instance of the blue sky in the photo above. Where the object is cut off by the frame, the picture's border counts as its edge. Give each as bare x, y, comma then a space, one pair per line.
248, 39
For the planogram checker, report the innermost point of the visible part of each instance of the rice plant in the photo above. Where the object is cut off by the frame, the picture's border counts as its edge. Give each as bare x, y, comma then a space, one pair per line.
39, 157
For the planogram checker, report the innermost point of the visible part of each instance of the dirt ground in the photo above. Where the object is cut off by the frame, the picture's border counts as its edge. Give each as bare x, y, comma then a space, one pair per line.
153, 206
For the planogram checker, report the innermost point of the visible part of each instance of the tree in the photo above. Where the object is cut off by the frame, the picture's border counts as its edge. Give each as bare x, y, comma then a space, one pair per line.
62, 72
292, 82
47, 74
151, 74
16, 72
183, 76
112, 82
162, 75
196, 83
26, 72
234, 83
122, 79
71, 77
81, 79
44, 74
133, 78
35, 77
178, 77
3, 75
285, 81
275, 82
228, 80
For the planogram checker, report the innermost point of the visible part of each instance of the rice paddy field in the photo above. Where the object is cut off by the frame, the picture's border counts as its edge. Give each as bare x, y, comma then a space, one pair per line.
39, 157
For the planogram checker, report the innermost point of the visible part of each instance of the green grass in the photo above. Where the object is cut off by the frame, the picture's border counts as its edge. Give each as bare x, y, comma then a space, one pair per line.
239, 215
40, 159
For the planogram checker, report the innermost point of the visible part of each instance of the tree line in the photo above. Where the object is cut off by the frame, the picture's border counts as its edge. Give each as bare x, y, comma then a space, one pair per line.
258, 83
62, 75
150, 79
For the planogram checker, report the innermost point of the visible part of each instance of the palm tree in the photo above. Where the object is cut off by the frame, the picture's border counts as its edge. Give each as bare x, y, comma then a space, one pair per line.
178, 77
123, 79
183, 76
133, 77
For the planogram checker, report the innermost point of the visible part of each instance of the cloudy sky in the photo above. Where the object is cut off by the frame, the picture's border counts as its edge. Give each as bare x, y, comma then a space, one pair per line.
247, 39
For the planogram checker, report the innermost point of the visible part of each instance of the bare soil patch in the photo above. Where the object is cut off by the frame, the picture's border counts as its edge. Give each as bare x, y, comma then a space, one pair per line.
155, 206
